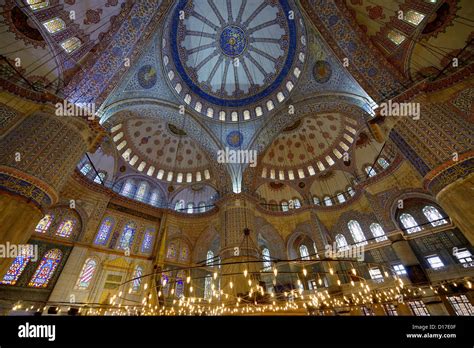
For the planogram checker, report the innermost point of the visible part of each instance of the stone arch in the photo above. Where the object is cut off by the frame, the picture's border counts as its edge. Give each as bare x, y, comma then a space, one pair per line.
276, 244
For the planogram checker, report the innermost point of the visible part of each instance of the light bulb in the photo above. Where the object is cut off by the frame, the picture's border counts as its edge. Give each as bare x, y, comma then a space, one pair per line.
305, 272
231, 285
188, 279
245, 273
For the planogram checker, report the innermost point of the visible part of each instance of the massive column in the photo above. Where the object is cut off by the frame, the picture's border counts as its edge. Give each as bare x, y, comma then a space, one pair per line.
238, 246
37, 154
439, 145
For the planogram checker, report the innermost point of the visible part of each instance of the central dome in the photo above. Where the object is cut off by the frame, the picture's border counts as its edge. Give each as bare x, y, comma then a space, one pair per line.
234, 60
233, 41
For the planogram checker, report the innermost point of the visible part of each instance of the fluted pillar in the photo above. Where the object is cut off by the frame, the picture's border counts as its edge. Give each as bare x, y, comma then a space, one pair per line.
37, 155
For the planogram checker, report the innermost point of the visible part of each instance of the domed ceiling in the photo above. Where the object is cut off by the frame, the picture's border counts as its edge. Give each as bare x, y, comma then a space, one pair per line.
161, 150
312, 144
234, 60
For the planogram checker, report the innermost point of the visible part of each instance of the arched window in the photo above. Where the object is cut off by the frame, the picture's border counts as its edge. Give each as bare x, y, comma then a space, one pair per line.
99, 178
341, 242
54, 25
137, 280
304, 254
165, 284
267, 263
128, 233
370, 171
383, 163
127, 188
327, 201
141, 191
341, 198
351, 191
184, 253
44, 224
18, 266
297, 203
147, 243
409, 223
104, 231
378, 232
202, 207
86, 275
433, 215
316, 200
284, 206
356, 232
37, 4
190, 208
154, 198
46, 269
179, 205
172, 253
315, 250
208, 287
86, 168
65, 229
209, 258
179, 288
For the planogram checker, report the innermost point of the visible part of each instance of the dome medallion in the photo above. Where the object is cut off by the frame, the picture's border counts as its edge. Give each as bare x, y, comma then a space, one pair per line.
234, 60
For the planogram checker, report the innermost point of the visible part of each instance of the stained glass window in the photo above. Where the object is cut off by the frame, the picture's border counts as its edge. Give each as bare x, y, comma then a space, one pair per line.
86, 275
316, 200
86, 168
127, 188
46, 269
104, 231
370, 171
378, 232
37, 4
409, 223
179, 205
341, 198
461, 305
341, 242
383, 162
154, 198
327, 201
351, 191
190, 209
18, 266
413, 17
141, 192
137, 281
44, 224
297, 203
433, 215
54, 25
71, 44
66, 228
99, 178
356, 232
304, 252
284, 206
396, 37
171, 253
179, 287
127, 235
165, 284
184, 254
147, 241
267, 263
209, 258
202, 207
